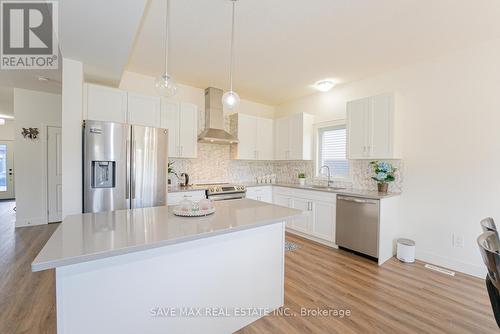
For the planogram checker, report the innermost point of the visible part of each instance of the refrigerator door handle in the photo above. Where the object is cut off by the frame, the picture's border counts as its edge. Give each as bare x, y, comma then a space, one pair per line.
127, 168
132, 170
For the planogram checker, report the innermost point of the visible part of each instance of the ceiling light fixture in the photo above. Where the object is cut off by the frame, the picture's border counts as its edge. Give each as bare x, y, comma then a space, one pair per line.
43, 78
165, 84
2, 121
324, 85
231, 99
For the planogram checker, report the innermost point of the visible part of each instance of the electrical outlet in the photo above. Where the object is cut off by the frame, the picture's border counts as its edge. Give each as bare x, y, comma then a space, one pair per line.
458, 240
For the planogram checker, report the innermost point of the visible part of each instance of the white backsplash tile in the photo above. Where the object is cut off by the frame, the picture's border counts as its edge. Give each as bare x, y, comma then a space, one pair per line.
214, 165
362, 173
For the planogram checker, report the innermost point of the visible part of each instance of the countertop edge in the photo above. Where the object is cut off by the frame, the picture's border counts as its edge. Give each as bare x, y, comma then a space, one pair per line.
35, 267
346, 192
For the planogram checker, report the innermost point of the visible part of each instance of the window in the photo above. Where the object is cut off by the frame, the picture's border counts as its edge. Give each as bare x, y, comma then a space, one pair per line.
332, 150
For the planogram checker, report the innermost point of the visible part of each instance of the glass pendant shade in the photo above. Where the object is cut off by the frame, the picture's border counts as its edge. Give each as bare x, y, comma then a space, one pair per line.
165, 85
230, 100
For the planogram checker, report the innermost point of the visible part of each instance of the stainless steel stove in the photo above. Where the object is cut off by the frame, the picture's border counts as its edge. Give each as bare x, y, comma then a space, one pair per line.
224, 191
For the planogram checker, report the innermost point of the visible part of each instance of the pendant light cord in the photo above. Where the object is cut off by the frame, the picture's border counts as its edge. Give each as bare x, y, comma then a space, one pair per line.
232, 48
167, 22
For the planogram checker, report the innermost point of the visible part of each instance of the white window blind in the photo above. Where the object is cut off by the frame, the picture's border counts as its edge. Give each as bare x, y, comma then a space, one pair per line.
333, 150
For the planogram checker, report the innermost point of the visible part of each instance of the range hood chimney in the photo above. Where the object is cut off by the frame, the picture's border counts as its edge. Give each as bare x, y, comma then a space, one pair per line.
214, 132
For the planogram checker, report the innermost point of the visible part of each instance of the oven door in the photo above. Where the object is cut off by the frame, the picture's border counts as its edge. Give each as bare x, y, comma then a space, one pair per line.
225, 197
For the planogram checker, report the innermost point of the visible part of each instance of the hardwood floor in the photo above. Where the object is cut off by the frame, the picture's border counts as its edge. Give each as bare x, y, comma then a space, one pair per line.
27, 300
394, 298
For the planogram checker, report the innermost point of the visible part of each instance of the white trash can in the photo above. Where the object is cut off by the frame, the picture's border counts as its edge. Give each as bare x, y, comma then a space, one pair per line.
406, 250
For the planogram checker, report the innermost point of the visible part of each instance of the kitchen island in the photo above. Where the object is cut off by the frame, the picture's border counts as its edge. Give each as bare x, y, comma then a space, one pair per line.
148, 271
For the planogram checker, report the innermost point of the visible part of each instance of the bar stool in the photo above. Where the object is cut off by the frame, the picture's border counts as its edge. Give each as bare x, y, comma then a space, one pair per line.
489, 245
488, 224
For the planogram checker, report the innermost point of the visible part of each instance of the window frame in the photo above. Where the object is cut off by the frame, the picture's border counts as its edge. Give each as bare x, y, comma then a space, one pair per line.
318, 128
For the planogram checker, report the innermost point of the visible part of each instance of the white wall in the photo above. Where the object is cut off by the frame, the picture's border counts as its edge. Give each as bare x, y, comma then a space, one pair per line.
72, 116
7, 130
143, 84
36, 110
448, 116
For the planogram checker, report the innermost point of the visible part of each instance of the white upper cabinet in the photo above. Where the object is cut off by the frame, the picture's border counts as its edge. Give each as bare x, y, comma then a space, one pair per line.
255, 137
143, 110
103, 103
282, 138
188, 130
265, 139
181, 120
370, 124
108, 104
294, 137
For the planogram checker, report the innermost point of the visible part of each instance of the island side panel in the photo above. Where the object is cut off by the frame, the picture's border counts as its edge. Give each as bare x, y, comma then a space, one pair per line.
122, 294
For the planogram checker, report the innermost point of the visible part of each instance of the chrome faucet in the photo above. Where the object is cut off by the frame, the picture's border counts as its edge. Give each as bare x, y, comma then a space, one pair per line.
328, 168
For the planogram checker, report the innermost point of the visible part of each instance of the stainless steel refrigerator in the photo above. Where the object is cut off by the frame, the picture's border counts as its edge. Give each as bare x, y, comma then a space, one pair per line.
124, 166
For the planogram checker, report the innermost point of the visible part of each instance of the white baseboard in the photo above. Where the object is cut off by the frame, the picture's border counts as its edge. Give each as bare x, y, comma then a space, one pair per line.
31, 221
463, 267
313, 238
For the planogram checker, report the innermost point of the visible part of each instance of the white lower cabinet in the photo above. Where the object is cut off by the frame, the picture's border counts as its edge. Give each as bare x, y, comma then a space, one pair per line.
174, 198
262, 193
302, 223
323, 222
318, 221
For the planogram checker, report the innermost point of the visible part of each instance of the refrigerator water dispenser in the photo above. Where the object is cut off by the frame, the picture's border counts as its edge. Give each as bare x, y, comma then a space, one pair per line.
103, 174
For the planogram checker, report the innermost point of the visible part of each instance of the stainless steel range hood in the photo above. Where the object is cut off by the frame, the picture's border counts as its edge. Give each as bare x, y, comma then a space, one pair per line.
214, 132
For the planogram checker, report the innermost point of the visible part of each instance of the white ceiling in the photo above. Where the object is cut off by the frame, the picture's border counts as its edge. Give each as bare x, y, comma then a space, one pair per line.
6, 102
100, 34
283, 46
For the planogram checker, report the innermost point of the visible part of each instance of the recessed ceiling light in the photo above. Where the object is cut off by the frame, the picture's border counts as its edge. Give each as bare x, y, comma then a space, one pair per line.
324, 85
42, 78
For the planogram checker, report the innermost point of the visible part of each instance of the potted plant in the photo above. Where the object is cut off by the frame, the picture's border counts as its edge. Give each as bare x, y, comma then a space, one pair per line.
302, 178
170, 171
384, 173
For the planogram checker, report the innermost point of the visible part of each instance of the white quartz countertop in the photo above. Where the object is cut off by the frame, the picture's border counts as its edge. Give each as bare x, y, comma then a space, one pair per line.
92, 236
340, 191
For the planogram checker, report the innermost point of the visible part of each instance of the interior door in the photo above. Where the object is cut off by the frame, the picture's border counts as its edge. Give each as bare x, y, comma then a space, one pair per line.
54, 174
6, 170
148, 180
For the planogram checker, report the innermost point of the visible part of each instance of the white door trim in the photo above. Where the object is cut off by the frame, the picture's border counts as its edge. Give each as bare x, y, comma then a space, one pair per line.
12, 193
45, 163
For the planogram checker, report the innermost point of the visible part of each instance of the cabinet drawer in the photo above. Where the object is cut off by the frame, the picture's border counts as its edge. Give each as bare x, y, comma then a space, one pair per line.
177, 197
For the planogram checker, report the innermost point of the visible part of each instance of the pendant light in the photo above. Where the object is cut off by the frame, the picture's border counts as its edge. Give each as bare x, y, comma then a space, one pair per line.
231, 99
165, 84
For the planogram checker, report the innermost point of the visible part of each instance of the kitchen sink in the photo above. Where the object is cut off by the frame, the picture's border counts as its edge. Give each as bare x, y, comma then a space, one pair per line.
328, 188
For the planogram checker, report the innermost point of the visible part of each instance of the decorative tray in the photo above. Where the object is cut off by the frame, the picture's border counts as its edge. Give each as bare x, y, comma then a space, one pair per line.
191, 213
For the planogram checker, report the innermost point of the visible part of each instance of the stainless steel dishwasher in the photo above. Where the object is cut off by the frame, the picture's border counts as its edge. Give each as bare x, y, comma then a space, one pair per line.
358, 224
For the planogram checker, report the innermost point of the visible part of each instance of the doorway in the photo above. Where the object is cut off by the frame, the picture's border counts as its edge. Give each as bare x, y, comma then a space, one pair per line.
54, 174
7, 170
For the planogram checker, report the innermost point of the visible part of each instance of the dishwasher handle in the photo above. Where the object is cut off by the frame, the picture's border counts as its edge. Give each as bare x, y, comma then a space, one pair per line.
357, 200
